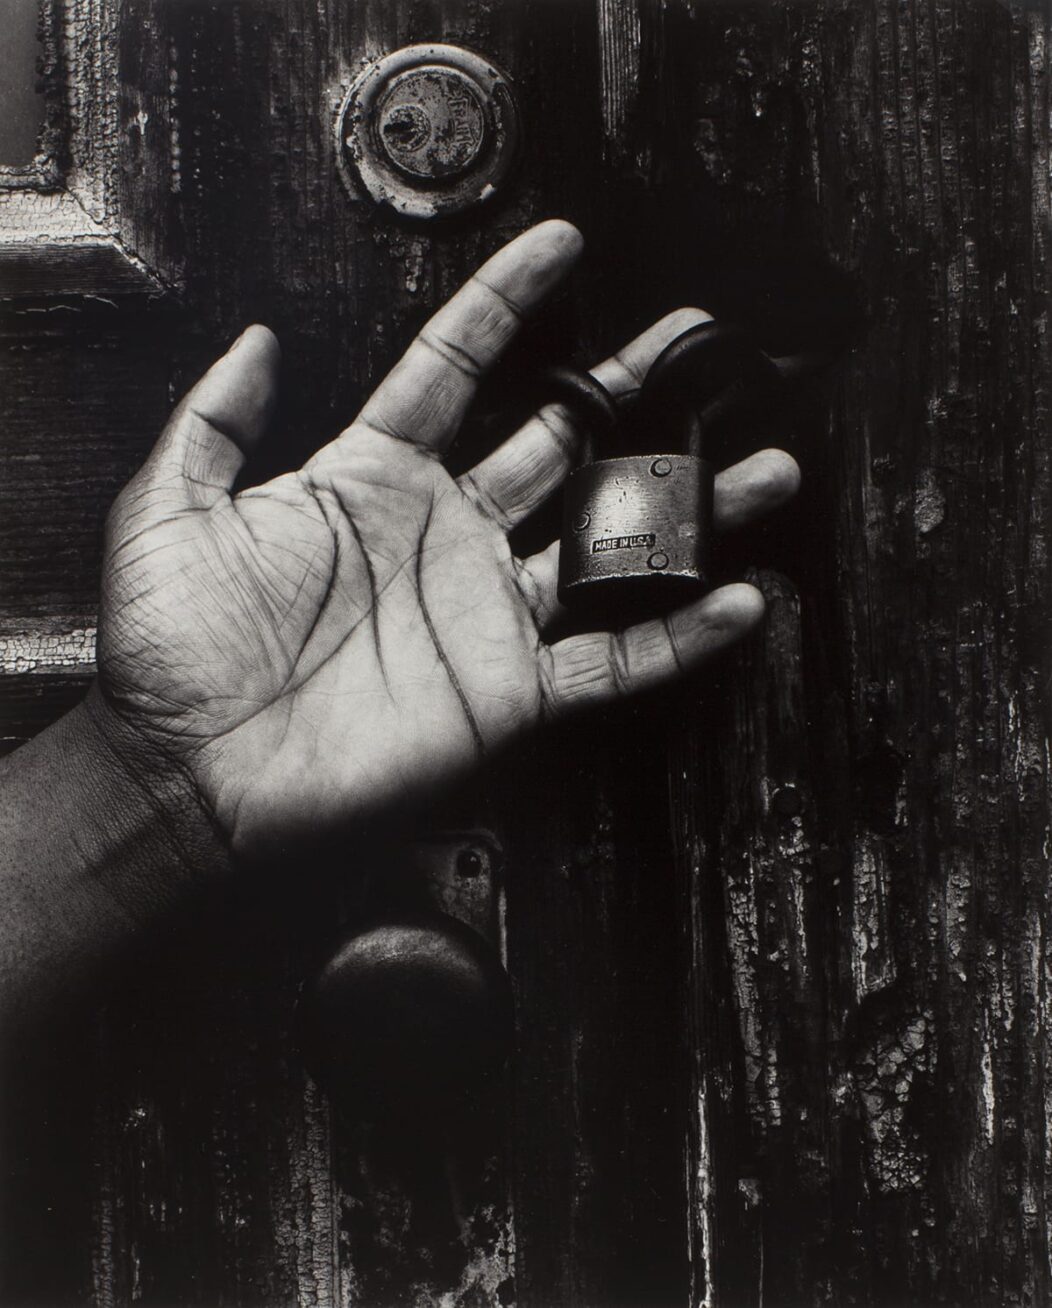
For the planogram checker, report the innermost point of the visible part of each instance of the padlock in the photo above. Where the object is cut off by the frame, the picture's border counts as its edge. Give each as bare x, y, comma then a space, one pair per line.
636, 528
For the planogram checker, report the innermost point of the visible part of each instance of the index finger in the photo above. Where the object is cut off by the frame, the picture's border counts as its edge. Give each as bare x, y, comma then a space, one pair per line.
424, 397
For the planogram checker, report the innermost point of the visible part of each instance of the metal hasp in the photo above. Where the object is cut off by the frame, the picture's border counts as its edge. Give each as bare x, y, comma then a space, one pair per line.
429, 131
636, 529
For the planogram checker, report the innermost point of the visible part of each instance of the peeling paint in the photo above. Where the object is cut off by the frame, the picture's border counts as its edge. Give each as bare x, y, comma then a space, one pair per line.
33, 651
929, 503
872, 957
886, 1074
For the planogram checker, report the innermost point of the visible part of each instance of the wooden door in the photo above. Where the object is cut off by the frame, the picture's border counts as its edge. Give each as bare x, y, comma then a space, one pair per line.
778, 941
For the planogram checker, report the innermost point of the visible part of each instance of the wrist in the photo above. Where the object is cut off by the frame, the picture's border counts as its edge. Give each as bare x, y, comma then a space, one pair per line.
102, 841
159, 801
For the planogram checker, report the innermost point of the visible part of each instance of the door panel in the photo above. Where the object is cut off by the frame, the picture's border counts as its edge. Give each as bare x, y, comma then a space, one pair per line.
777, 938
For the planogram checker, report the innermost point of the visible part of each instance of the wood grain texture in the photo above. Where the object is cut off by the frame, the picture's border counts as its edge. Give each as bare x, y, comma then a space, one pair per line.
877, 847
778, 941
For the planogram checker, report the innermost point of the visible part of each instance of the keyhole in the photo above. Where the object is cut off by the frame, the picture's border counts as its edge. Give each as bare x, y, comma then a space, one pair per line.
406, 127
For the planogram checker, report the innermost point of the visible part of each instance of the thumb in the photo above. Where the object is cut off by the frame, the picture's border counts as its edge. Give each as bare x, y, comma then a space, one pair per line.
217, 424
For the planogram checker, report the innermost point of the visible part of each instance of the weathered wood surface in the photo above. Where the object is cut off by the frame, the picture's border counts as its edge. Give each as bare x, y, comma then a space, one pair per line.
779, 944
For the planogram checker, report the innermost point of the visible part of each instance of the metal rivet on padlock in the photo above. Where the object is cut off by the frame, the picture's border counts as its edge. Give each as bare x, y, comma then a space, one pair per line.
636, 528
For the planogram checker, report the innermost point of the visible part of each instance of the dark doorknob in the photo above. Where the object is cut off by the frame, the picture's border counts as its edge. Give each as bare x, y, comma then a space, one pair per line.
406, 1014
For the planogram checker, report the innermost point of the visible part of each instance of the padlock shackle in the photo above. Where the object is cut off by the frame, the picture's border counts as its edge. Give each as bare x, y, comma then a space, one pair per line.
591, 405
702, 376
703, 361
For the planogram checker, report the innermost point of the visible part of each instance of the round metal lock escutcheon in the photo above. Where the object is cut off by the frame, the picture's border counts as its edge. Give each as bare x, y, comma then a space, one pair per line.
429, 131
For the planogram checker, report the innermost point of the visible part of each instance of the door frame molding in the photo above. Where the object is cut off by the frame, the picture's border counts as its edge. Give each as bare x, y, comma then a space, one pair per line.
61, 228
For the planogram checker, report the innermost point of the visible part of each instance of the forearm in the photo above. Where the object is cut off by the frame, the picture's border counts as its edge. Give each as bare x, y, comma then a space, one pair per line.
98, 844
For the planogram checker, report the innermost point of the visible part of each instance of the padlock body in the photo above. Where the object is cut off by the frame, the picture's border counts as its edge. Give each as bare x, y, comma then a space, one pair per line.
638, 525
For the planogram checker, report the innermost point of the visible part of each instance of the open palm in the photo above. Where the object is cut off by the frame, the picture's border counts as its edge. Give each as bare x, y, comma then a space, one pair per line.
343, 637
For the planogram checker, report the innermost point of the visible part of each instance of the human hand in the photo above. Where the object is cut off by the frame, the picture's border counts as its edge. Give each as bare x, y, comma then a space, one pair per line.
344, 637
